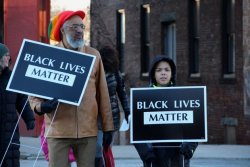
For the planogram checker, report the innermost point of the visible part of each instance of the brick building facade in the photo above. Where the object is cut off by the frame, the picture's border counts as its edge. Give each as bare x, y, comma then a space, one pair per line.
208, 39
24, 20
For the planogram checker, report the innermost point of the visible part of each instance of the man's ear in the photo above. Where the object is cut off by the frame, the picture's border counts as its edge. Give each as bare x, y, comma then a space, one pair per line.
62, 30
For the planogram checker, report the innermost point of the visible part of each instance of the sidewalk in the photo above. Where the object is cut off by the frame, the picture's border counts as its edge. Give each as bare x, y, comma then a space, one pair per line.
31, 146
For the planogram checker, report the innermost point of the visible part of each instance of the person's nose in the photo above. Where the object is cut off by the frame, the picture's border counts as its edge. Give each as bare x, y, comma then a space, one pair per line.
163, 73
79, 29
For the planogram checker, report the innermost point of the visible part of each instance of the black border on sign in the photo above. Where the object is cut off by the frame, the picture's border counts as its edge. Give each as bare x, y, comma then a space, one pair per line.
47, 97
167, 140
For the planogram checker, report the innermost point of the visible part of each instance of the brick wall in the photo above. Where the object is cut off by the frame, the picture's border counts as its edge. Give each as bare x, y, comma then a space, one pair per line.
228, 120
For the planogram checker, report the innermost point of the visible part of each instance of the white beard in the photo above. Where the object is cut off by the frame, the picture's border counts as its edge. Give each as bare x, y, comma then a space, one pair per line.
74, 43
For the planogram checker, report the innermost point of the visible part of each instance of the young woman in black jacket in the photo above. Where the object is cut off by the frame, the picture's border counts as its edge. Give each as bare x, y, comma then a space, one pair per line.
163, 74
117, 92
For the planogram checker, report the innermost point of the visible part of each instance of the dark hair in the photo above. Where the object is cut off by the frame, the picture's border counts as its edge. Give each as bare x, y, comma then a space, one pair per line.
155, 62
110, 59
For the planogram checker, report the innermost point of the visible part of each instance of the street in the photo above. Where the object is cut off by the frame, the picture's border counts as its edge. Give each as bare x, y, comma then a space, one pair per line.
137, 163
126, 156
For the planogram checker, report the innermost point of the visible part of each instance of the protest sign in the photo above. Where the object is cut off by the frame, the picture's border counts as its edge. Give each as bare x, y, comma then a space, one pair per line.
48, 71
169, 114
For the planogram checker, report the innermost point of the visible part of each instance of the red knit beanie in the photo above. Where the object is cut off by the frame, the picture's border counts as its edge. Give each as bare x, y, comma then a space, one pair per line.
57, 22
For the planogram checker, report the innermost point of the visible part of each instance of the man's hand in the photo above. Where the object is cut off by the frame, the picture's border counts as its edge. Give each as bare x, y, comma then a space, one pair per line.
49, 105
107, 139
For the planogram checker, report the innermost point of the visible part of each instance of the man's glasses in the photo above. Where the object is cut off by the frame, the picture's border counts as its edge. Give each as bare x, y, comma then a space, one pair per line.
76, 26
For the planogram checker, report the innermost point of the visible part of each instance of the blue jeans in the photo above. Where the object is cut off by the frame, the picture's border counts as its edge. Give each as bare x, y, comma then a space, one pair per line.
99, 144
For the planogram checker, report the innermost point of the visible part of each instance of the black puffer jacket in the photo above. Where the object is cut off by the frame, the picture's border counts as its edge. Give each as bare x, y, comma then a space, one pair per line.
117, 90
10, 104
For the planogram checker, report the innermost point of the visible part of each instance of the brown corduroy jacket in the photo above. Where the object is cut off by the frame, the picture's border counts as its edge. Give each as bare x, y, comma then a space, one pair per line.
81, 121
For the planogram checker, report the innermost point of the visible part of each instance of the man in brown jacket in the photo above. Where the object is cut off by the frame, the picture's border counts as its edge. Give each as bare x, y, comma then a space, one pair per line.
76, 126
